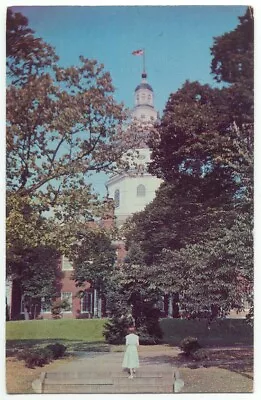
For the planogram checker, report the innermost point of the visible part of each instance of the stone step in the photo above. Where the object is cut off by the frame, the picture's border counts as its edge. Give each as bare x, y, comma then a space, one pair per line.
152, 380
78, 381
105, 389
140, 373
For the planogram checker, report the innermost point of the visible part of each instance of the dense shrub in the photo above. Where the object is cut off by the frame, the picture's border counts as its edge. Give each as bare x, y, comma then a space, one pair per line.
148, 340
189, 345
148, 322
40, 357
57, 307
145, 337
57, 350
200, 355
35, 358
116, 329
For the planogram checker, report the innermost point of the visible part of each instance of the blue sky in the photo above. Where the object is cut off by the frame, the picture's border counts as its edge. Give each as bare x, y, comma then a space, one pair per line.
177, 41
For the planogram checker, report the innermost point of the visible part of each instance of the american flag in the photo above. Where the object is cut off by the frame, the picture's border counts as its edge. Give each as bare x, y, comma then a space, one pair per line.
138, 52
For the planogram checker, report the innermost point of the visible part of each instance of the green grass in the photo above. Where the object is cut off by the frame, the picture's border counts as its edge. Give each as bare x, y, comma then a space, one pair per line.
225, 332
86, 334
88, 330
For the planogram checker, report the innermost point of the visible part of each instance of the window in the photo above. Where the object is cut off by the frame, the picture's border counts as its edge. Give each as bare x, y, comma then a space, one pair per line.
117, 198
143, 116
68, 297
45, 305
86, 303
141, 191
66, 264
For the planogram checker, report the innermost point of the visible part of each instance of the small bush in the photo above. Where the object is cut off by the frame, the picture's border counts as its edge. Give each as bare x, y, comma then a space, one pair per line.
35, 358
57, 350
200, 355
189, 345
57, 307
40, 357
116, 329
148, 340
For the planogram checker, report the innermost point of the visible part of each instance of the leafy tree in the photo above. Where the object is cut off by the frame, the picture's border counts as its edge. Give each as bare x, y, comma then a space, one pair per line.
35, 273
134, 300
185, 212
26, 54
199, 226
233, 53
93, 257
62, 125
215, 274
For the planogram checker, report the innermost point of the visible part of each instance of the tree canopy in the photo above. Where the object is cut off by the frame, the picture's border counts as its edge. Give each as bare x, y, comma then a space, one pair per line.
196, 235
63, 124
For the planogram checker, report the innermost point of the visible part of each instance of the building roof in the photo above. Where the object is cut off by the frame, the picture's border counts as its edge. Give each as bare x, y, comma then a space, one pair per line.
144, 85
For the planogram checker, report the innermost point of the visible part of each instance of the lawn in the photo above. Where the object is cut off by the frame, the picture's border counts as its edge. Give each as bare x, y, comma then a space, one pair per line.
86, 335
77, 335
88, 330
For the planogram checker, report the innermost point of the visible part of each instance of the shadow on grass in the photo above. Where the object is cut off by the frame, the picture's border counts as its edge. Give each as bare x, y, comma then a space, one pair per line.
211, 341
239, 360
13, 346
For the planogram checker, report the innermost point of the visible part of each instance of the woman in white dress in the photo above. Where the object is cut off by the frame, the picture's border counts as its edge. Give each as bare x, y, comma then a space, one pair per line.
131, 357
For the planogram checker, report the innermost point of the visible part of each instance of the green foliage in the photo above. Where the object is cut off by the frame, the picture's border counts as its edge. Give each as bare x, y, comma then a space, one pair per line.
116, 329
40, 357
58, 307
233, 52
221, 332
57, 349
63, 124
189, 345
195, 238
149, 333
26, 54
200, 355
94, 258
35, 358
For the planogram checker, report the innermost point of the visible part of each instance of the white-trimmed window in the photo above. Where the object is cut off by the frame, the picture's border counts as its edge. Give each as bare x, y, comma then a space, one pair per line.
45, 305
141, 191
87, 302
117, 198
68, 297
67, 265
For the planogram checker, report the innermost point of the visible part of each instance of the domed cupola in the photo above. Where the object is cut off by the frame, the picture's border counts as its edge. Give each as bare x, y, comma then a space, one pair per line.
144, 101
144, 84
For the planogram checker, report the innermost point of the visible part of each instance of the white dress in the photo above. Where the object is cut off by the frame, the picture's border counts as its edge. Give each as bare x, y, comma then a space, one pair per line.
131, 357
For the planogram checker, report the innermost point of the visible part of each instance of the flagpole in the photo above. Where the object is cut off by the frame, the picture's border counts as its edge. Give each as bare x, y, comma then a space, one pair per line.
144, 71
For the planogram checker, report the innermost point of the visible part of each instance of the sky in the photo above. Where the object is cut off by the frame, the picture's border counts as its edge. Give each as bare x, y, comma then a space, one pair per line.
176, 39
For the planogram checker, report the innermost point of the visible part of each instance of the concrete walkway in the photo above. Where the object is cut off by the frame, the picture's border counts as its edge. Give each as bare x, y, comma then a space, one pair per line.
96, 372
101, 372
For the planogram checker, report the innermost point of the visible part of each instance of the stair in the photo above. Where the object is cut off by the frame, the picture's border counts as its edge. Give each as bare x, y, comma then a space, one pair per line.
147, 380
